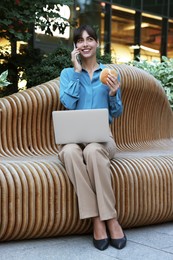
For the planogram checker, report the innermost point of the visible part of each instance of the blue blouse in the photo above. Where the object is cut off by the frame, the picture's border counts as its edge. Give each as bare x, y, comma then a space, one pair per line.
78, 91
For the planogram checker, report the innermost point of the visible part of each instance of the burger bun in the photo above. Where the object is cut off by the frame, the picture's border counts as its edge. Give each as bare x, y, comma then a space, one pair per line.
104, 74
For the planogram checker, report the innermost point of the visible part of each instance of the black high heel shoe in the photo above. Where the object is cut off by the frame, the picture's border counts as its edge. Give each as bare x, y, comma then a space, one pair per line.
118, 243
101, 244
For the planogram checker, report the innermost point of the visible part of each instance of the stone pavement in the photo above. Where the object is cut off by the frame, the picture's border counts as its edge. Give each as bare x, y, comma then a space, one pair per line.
144, 243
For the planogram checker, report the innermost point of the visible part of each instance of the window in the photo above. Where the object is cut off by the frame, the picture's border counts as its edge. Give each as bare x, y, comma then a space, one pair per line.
158, 7
170, 39
151, 37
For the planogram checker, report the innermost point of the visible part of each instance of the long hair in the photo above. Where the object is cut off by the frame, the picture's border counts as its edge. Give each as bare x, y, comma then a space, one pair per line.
78, 32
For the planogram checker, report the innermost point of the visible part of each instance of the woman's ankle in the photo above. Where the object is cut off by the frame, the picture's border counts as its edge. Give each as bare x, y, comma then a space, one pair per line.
114, 228
99, 229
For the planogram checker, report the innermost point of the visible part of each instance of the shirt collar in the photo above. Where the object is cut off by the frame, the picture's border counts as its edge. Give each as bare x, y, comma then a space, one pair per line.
101, 66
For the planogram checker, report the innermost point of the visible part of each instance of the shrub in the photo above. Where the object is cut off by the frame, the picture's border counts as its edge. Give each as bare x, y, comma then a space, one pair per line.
162, 71
47, 67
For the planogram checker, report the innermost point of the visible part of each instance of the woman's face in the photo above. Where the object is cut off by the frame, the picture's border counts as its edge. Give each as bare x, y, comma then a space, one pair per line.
87, 45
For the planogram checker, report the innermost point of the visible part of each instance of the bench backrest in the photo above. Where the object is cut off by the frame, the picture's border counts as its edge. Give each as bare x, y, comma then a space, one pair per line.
26, 117
147, 114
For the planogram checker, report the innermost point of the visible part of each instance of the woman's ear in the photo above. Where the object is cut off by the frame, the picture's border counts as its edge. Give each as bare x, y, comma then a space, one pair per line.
98, 44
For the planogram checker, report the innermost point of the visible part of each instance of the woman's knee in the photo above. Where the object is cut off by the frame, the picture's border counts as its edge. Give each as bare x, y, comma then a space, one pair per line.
68, 151
92, 149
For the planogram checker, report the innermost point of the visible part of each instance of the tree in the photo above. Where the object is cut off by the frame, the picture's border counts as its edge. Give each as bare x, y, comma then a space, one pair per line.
17, 21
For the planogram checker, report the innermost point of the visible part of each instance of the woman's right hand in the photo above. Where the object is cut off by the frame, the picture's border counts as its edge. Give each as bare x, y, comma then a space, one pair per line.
74, 58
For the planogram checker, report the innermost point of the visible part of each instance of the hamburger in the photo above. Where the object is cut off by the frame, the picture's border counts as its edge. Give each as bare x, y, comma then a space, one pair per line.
104, 74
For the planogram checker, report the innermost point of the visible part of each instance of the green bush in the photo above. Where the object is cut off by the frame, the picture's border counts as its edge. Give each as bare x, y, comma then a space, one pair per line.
162, 71
48, 66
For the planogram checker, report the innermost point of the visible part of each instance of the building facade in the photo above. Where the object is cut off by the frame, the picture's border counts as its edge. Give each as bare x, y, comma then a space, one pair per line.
130, 28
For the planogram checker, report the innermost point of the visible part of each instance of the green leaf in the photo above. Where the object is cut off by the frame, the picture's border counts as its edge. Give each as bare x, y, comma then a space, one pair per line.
3, 79
4, 75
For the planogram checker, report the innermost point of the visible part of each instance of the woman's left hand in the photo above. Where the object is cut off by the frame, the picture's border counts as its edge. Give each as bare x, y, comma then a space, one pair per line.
113, 84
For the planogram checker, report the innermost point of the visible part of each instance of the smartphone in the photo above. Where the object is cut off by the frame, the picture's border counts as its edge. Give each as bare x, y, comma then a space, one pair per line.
74, 45
78, 56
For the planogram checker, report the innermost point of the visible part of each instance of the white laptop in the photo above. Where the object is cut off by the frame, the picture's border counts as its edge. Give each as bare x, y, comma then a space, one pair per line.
81, 126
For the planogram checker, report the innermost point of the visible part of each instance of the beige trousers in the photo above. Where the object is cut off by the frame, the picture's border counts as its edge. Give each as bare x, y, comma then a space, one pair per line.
88, 167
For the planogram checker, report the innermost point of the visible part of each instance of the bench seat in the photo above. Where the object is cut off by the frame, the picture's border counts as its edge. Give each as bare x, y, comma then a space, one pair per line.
36, 196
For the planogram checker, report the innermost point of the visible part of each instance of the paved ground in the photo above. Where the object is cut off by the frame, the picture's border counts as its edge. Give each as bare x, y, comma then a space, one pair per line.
146, 243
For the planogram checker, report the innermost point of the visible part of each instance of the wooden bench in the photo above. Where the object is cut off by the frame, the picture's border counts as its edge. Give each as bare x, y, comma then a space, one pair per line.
36, 196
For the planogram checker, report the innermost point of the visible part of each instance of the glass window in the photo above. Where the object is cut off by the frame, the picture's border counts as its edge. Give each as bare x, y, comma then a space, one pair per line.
170, 40
171, 10
135, 4
89, 12
151, 30
122, 34
158, 7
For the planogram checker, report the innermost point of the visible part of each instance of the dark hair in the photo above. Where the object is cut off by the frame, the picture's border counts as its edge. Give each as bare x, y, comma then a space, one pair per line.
78, 32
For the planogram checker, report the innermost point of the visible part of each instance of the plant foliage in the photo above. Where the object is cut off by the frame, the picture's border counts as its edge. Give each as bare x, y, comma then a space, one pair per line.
3, 79
4, 83
18, 16
48, 66
162, 71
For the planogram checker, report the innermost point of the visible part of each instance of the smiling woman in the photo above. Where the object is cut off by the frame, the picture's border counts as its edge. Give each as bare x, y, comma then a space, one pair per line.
88, 164
85, 45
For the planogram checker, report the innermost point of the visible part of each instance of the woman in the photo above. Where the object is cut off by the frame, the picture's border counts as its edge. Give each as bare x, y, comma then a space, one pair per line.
88, 165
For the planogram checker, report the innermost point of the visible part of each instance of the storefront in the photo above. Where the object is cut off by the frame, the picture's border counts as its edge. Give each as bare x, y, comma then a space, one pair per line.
130, 28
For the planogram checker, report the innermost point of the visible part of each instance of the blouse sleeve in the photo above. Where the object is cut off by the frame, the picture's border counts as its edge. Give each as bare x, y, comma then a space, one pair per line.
69, 88
115, 104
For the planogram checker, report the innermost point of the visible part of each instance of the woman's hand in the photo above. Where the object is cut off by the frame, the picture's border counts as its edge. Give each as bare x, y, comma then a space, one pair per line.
113, 84
75, 59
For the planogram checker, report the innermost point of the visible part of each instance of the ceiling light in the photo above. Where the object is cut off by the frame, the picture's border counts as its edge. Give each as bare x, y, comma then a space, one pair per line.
135, 47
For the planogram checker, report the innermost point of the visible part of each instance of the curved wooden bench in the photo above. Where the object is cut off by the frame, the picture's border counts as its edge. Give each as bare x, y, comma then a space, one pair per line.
36, 196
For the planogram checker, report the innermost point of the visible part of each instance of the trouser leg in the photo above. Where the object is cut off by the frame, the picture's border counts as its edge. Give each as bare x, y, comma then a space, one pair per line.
71, 155
98, 168
89, 172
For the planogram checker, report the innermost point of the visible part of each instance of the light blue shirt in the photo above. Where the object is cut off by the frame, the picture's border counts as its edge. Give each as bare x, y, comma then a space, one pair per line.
78, 91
